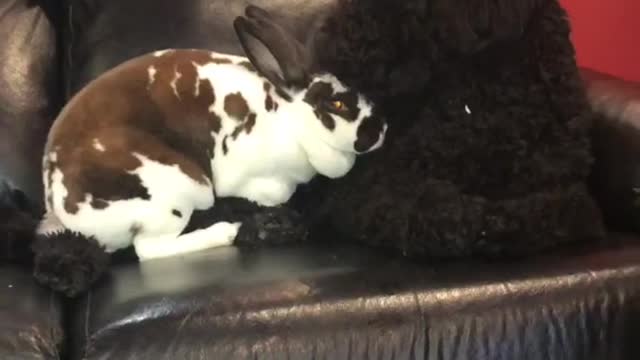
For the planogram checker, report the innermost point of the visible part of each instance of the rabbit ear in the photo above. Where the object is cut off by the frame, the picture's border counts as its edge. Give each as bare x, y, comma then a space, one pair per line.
275, 52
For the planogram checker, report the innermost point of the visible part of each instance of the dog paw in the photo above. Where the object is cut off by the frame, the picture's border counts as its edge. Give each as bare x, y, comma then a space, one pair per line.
272, 226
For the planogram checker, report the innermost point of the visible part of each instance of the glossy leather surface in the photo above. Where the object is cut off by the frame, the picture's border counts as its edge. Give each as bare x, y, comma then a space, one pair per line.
348, 303
616, 143
101, 34
30, 318
29, 91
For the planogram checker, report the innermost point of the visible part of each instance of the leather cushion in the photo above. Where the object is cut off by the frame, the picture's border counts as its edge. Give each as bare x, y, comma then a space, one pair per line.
30, 318
348, 303
616, 137
103, 34
29, 91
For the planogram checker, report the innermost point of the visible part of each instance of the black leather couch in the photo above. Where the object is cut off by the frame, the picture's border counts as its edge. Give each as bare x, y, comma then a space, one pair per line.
299, 302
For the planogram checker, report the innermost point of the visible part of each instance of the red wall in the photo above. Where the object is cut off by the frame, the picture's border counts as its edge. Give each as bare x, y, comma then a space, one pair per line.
606, 34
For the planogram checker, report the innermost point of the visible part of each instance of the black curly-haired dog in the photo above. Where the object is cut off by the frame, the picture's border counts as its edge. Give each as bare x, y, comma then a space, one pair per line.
488, 150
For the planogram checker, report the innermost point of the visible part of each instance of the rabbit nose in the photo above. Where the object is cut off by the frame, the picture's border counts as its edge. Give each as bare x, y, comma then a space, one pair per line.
370, 135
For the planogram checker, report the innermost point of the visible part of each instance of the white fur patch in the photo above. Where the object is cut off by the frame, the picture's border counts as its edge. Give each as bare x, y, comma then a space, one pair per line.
46, 161
177, 75
162, 52
466, 108
196, 92
45, 181
381, 138
98, 145
235, 59
152, 74
163, 182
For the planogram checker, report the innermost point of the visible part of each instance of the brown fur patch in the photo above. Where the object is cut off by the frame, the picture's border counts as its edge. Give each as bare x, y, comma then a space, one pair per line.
131, 115
186, 114
268, 103
247, 126
326, 119
216, 122
220, 60
225, 149
237, 131
206, 97
212, 150
99, 203
236, 106
250, 123
104, 183
247, 65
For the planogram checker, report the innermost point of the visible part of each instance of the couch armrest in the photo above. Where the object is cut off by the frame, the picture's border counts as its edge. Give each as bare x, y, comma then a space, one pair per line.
615, 177
613, 97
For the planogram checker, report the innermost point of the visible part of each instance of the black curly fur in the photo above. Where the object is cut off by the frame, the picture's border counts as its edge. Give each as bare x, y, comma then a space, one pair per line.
69, 262
17, 226
261, 226
507, 179
66, 262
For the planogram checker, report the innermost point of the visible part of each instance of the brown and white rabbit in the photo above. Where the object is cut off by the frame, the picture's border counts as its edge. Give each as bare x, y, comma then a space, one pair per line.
141, 147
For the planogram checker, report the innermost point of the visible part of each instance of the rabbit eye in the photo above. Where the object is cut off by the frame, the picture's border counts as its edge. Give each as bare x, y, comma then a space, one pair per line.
338, 105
